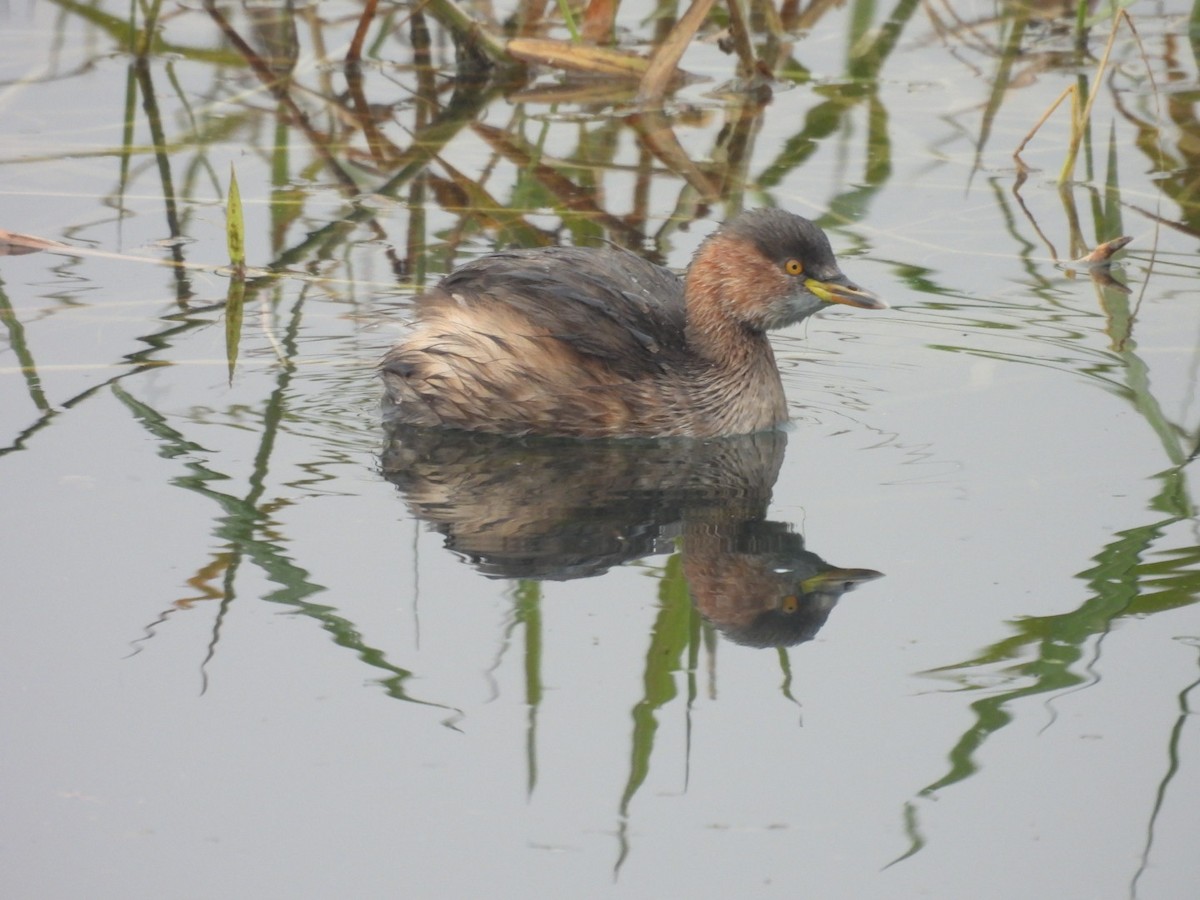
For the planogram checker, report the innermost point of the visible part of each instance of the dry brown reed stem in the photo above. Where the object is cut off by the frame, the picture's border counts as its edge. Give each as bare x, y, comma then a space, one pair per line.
1079, 119
739, 30
659, 138
1077, 126
354, 53
569, 194
278, 89
806, 19
1023, 168
585, 60
666, 58
769, 16
599, 21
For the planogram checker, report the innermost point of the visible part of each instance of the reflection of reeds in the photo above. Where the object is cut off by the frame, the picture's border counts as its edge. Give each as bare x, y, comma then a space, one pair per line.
432, 151
246, 528
527, 612
654, 74
20, 347
141, 71
1047, 656
1175, 755
1044, 654
437, 122
675, 641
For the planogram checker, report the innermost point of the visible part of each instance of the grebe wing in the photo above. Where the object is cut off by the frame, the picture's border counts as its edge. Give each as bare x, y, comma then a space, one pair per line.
607, 303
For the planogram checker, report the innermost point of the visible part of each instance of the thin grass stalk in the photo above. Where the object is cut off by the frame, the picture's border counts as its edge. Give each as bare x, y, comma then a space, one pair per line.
1079, 123
564, 10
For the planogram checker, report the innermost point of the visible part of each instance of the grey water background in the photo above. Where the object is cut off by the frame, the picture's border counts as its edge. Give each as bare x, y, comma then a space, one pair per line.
252, 649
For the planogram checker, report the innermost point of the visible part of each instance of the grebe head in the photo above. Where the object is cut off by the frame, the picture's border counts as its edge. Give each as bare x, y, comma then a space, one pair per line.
766, 269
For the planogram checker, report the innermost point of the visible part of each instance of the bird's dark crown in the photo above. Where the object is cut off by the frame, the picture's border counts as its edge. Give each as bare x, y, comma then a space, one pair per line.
780, 235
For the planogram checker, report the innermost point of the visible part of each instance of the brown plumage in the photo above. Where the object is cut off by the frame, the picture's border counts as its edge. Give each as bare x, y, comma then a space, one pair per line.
601, 343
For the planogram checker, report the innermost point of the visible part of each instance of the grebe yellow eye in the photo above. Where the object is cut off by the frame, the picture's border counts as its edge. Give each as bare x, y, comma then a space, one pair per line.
794, 267
790, 604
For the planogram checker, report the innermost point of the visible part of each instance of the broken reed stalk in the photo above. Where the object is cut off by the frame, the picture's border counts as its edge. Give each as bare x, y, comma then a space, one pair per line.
1069, 89
1079, 118
655, 75
1080, 121
598, 61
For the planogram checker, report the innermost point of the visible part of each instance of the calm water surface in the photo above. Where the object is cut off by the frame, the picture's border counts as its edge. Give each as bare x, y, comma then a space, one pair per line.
256, 647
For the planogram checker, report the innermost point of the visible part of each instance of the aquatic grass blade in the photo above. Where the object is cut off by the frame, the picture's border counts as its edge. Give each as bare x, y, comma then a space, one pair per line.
564, 10
235, 225
235, 301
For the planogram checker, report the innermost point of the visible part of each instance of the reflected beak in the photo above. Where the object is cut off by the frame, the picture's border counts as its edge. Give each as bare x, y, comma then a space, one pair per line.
838, 579
842, 290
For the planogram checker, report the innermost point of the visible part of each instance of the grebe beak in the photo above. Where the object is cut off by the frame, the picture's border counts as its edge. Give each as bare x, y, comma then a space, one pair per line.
844, 291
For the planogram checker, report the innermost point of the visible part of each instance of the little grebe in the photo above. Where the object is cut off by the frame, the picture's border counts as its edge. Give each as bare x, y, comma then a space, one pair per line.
598, 343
